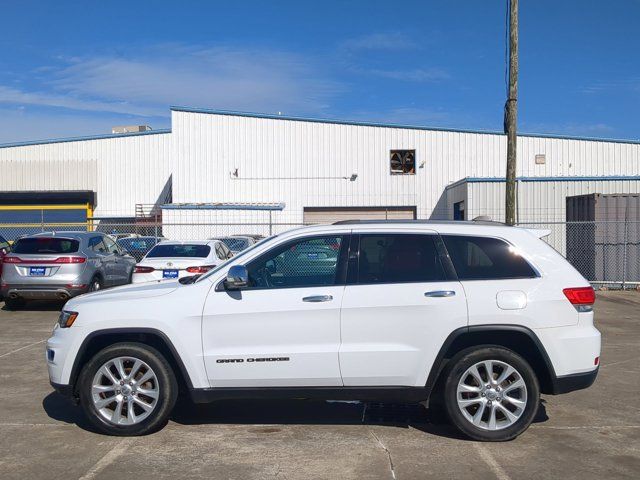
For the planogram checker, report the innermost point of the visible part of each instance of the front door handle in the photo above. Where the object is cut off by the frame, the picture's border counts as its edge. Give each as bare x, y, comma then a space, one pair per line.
440, 293
318, 298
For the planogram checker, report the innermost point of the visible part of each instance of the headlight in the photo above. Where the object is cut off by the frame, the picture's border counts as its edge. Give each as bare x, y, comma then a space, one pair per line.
66, 319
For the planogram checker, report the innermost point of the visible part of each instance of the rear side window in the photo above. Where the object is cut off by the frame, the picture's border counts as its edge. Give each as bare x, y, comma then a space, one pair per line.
483, 258
44, 245
179, 250
397, 258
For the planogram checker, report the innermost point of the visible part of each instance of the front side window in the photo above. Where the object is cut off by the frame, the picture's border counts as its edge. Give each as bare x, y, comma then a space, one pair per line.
483, 258
308, 262
397, 258
111, 245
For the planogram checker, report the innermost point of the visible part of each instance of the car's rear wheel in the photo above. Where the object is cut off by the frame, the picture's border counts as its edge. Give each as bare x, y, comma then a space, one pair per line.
95, 284
491, 393
128, 389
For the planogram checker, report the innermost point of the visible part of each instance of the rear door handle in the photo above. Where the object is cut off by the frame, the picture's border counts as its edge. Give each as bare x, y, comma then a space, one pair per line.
318, 298
440, 293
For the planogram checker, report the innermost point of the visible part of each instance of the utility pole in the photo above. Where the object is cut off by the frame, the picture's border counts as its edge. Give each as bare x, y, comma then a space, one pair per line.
511, 114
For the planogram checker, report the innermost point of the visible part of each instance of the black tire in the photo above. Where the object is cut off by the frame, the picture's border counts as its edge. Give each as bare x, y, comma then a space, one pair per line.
167, 387
96, 284
14, 303
457, 368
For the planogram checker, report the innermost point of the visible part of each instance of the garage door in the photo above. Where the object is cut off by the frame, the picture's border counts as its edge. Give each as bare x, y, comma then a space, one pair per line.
314, 215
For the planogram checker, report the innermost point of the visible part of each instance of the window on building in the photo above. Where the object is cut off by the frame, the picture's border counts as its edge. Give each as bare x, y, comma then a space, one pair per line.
483, 258
398, 258
403, 162
306, 263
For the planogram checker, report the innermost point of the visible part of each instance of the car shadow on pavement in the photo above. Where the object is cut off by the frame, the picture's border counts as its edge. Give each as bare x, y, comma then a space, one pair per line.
287, 412
37, 306
61, 409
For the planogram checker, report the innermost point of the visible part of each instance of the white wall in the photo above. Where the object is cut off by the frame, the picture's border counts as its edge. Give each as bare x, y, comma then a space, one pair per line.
281, 160
122, 170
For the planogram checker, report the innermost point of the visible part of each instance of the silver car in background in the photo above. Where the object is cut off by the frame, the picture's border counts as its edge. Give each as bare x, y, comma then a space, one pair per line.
238, 243
61, 265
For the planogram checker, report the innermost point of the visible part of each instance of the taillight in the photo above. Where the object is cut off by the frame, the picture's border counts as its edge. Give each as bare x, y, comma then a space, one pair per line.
139, 269
45, 261
582, 298
69, 260
199, 270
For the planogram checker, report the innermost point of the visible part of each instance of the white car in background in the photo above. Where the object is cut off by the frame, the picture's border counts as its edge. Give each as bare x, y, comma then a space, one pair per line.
172, 259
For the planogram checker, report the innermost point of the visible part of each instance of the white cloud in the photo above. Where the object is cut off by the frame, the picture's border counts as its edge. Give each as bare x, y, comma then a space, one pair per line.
145, 82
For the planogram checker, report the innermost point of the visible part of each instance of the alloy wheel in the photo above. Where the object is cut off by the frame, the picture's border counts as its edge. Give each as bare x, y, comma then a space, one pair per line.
125, 391
491, 395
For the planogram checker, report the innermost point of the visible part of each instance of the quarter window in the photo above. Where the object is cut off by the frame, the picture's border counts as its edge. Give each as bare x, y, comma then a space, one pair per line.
399, 258
483, 258
305, 263
96, 244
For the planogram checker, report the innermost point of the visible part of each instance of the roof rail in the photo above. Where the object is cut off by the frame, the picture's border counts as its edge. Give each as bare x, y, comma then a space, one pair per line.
475, 221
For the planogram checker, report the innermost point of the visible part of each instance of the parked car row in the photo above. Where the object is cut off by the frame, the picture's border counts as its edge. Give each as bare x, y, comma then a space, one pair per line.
61, 265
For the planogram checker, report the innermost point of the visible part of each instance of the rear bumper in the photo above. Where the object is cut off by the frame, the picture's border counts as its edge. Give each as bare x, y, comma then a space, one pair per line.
49, 292
576, 381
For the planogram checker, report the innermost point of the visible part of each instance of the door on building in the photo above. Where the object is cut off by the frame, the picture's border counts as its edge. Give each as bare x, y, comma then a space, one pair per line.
315, 215
458, 210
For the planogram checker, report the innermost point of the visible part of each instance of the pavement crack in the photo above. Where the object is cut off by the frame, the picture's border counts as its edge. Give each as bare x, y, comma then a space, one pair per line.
382, 445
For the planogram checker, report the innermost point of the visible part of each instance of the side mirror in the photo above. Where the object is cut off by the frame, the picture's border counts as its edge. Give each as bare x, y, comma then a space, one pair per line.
237, 278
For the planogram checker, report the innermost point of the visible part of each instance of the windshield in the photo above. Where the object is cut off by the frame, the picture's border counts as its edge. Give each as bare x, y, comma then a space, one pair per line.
235, 244
179, 250
39, 245
235, 257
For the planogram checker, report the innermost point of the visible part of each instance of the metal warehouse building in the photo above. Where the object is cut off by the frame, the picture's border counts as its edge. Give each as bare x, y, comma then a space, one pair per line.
320, 170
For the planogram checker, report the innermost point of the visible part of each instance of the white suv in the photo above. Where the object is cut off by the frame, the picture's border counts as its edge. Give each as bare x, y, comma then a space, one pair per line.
481, 317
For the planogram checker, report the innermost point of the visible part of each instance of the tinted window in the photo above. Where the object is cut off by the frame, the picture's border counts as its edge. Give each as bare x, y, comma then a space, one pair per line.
305, 263
96, 244
179, 250
482, 258
4, 245
399, 258
45, 245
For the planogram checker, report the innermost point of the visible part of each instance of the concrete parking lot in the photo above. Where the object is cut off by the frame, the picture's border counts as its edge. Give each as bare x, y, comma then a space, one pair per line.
589, 434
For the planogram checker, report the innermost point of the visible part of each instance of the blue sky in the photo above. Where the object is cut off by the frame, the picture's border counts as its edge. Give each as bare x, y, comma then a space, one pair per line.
77, 68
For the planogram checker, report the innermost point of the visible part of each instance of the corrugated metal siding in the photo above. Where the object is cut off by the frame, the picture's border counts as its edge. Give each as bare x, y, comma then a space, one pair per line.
302, 163
123, 171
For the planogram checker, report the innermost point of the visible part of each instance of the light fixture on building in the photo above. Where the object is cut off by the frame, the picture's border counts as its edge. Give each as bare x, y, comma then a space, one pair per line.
353, 177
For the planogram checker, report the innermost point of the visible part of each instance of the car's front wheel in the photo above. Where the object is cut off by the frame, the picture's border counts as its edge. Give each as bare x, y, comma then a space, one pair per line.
491, 393
128, 389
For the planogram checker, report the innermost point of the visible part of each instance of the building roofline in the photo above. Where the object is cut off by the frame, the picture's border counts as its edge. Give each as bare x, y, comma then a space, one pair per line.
269, 116
84, 138
605, 178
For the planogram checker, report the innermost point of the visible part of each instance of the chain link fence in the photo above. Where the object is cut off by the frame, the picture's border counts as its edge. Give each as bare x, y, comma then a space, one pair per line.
606, 253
